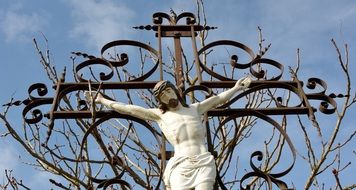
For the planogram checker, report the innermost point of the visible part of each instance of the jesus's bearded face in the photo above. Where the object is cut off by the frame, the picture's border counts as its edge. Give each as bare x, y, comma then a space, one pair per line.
169, 98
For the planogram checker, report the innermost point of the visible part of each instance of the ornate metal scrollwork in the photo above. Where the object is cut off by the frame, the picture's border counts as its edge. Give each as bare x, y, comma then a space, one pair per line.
262, 73
98, 61
111, 64
269, 177
36, 101
234, 58
173, 20
218, 81
325, 99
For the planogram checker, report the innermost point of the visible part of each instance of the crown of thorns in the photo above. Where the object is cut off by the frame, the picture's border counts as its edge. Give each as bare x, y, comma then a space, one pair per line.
160, 86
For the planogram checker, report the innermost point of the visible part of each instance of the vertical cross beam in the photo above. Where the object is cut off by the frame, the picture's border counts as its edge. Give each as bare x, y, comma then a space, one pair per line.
178, 67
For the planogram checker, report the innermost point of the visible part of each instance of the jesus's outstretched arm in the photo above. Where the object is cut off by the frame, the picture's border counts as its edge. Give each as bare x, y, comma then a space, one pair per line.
221, 98
128, 109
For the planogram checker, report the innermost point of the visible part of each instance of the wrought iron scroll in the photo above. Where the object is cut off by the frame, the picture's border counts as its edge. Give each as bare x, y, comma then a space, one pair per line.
33, 102
168, 26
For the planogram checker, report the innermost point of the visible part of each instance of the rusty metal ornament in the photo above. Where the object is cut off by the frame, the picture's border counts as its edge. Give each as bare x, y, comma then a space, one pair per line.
168, 26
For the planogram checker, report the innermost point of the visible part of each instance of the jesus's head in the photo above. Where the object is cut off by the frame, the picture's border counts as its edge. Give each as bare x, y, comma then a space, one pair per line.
167, 96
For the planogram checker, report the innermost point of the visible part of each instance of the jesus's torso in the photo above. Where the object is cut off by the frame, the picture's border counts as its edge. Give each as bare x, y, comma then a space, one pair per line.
183, 129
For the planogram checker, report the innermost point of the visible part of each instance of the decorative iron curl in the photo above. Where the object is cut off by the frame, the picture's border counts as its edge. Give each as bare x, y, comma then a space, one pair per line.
233, 60
40, 88
325, 102
95, 61
325, 99
262, 73
203, 88
159, 16
313, 82
34, 102
258, 173
124, 58
190, 18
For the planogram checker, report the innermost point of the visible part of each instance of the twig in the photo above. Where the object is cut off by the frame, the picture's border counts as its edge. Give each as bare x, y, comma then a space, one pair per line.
58, 184
336, 175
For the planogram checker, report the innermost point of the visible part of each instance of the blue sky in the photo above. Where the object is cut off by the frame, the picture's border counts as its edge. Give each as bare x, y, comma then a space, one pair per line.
73, 25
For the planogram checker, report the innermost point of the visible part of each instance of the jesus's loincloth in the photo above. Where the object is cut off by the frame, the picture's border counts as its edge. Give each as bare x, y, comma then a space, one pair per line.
186, 172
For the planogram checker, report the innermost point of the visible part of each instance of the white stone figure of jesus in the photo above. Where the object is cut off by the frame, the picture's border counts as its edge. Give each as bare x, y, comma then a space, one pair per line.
192, 166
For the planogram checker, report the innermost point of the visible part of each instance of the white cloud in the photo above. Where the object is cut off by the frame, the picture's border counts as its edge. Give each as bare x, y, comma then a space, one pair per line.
348, 13
18, 26
99, 22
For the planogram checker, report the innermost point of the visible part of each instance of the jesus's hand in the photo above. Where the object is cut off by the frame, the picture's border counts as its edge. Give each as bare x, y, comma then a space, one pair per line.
243, 83
90, 96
